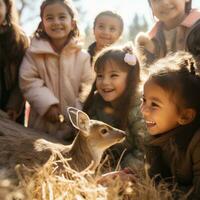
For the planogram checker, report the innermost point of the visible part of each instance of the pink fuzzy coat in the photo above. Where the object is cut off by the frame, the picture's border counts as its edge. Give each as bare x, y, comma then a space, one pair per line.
48, 78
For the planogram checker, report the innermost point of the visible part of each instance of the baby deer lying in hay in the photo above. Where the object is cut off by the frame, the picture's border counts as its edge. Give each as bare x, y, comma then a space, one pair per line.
93, 138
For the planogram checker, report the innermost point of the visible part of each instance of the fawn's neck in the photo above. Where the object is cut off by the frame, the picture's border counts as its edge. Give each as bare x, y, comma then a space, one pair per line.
81, 154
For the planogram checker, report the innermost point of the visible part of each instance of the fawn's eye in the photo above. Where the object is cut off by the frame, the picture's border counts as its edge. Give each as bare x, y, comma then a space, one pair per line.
104, 131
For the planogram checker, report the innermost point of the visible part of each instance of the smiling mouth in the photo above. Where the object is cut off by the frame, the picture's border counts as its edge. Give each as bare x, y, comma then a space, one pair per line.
57, 29
167, 10
150, 124
107, 90
106, 39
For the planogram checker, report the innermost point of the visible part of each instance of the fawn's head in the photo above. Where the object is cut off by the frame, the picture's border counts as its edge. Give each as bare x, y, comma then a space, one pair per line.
98, 134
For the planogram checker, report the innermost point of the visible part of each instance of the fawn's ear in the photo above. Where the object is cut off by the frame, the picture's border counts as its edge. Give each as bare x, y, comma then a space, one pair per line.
79, 119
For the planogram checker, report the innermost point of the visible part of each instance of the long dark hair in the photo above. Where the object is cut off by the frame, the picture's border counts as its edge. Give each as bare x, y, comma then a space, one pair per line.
11, 12
193, 40
40, 32
13, 42
126, 101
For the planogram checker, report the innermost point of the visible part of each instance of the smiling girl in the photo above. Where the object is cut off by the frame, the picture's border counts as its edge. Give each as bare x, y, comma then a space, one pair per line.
113, 96
171, 110
55, 72
108, 27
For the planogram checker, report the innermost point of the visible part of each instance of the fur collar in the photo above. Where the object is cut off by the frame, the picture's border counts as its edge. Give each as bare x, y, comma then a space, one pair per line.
41, 46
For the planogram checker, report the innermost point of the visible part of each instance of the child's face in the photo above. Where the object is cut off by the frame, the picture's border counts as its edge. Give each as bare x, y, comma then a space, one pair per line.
107, 30
168, 10
2, 11
111, 82
57, 22
159, 111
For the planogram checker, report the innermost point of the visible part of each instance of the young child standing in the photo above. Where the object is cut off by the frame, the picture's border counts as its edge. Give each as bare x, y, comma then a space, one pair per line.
55, 72
108, 27
112, 97
171, 111
13, 44
175, 19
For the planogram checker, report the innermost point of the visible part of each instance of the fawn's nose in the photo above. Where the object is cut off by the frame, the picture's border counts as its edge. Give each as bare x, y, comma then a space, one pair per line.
124, 133
120, 132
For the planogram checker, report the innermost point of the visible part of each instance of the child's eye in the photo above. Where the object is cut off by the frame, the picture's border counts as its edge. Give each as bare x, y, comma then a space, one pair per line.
101, 26
99, 76
114, 75
143, 100
62, 17
153, 104
112, 29
49, 18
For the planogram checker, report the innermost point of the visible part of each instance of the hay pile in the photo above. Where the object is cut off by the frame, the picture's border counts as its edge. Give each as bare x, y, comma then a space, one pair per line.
57, 181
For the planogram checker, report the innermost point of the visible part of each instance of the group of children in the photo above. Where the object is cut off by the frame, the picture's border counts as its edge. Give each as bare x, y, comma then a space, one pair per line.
52, 71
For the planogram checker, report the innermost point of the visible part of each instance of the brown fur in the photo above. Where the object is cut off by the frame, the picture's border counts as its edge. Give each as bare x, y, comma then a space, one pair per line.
19, 145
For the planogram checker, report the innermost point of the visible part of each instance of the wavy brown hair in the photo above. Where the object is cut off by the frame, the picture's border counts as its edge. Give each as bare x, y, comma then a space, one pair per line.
11, 12
13, 41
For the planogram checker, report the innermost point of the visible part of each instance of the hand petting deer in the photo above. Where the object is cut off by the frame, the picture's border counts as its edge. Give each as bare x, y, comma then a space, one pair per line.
92, 139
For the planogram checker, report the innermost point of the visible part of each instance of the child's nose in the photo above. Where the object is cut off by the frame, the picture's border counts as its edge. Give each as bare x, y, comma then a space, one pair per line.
144, 110
56, 21
106, 31
105, 81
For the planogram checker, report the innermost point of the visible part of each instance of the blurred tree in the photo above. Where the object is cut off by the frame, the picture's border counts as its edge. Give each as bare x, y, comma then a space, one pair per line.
138, 24
27, 10
81, 11
88, 34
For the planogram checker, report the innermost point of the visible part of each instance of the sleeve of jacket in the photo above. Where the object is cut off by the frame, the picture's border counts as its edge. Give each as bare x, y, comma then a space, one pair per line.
33, 87
86, 79
145, 48
196, 173
16, 100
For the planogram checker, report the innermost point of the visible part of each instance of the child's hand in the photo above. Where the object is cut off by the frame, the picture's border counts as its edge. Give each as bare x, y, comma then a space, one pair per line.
124, 175
52, 114
142, 39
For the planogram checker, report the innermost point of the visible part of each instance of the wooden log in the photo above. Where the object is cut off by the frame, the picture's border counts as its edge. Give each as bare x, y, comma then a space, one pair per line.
21, 145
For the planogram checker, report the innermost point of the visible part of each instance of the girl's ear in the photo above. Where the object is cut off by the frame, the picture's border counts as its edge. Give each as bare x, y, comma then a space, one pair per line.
187, 116
73, 24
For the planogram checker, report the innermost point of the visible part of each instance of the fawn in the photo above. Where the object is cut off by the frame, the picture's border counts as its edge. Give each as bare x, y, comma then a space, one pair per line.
93, 138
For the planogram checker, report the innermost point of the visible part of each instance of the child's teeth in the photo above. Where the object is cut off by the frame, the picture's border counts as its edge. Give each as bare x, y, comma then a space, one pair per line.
150, 122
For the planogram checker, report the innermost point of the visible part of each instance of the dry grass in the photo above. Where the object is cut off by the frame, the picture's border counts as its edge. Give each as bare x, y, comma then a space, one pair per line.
57, 181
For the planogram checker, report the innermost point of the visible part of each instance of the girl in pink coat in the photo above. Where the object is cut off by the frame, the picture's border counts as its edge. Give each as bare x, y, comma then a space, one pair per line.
55, 72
